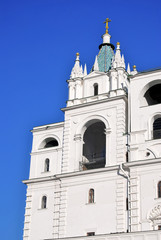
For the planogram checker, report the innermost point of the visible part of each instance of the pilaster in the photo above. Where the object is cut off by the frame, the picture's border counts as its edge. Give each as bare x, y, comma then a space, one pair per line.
27, 221
66, 142
134, 202
120, 205
60, 205
120, 130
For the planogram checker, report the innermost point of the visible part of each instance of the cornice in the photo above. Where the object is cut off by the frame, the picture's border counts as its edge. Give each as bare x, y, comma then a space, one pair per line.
48, 127
71, 174
46, 150
94, 102
117, 235
142, 162
156, 70
89, 172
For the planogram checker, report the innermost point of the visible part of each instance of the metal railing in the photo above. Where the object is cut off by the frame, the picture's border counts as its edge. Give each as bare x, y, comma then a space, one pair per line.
95, 156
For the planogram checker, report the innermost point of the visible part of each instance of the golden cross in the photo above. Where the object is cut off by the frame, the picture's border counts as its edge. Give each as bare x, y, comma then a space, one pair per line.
107, 21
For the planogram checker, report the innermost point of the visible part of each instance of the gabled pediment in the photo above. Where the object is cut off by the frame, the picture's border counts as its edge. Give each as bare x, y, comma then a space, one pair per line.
94, 74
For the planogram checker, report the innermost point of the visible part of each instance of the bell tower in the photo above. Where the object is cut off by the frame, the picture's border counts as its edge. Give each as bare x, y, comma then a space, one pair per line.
98, 172
96, 112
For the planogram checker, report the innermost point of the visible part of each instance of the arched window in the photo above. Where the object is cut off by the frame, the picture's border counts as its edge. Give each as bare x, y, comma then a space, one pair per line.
48, 143
95, 86
51, 143
159, 189
153, 95
43, 202
157, 128
46, 167
94, 146
91, 196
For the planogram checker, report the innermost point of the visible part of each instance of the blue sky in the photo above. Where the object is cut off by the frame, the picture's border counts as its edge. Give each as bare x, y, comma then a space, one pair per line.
38, 42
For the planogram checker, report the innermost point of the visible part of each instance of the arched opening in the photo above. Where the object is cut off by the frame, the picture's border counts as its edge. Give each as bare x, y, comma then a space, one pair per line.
46, 167
44, 202
91, 196
157, 128
153, 95
95, 86
159, 189
48, 143
94, 147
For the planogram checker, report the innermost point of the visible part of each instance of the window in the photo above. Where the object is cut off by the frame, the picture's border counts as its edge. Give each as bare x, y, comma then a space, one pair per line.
91, 196
159, 227
159, 189
43, 202
48, 143
51, 143
127, 204
46, 167
153, 95
95, 89
157, 128
90, 233
94, 145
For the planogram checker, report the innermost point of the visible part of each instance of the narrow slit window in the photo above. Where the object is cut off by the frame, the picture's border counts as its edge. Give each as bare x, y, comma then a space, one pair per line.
159, 189
91, 196
44, 202
46, 167
95, 89
157, 129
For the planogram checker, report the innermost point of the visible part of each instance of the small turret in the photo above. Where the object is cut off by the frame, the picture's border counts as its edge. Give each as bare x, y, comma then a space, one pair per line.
118, 60
77, 70
134, 70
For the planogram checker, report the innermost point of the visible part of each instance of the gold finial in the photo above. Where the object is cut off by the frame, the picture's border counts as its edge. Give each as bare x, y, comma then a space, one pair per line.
107, 21
118, 43
134, 67
77, 54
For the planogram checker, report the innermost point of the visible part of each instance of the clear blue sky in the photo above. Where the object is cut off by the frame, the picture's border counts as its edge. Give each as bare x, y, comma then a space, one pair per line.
38, 42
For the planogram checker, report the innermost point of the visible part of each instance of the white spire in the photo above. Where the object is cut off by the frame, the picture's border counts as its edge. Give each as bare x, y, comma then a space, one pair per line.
81, 68
85, 70
128, 68
77, 70
118, 61
118, 55
95, 67
123, 61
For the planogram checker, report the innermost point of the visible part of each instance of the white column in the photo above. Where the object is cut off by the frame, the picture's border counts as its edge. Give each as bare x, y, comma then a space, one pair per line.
78, 89
108, 147
120, 78
71, 86
113, 80
78, 151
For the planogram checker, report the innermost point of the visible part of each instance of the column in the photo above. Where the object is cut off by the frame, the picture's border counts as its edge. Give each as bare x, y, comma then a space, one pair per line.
71, 86
108, 143
78, 151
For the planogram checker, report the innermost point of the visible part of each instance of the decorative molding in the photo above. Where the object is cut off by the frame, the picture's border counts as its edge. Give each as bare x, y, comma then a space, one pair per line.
77, 137
155, 213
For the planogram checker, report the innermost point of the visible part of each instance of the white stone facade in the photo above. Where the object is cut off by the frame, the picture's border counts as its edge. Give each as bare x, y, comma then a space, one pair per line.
99, 172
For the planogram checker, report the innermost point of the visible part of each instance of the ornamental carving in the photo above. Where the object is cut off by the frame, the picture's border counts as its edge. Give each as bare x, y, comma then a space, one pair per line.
155, 213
